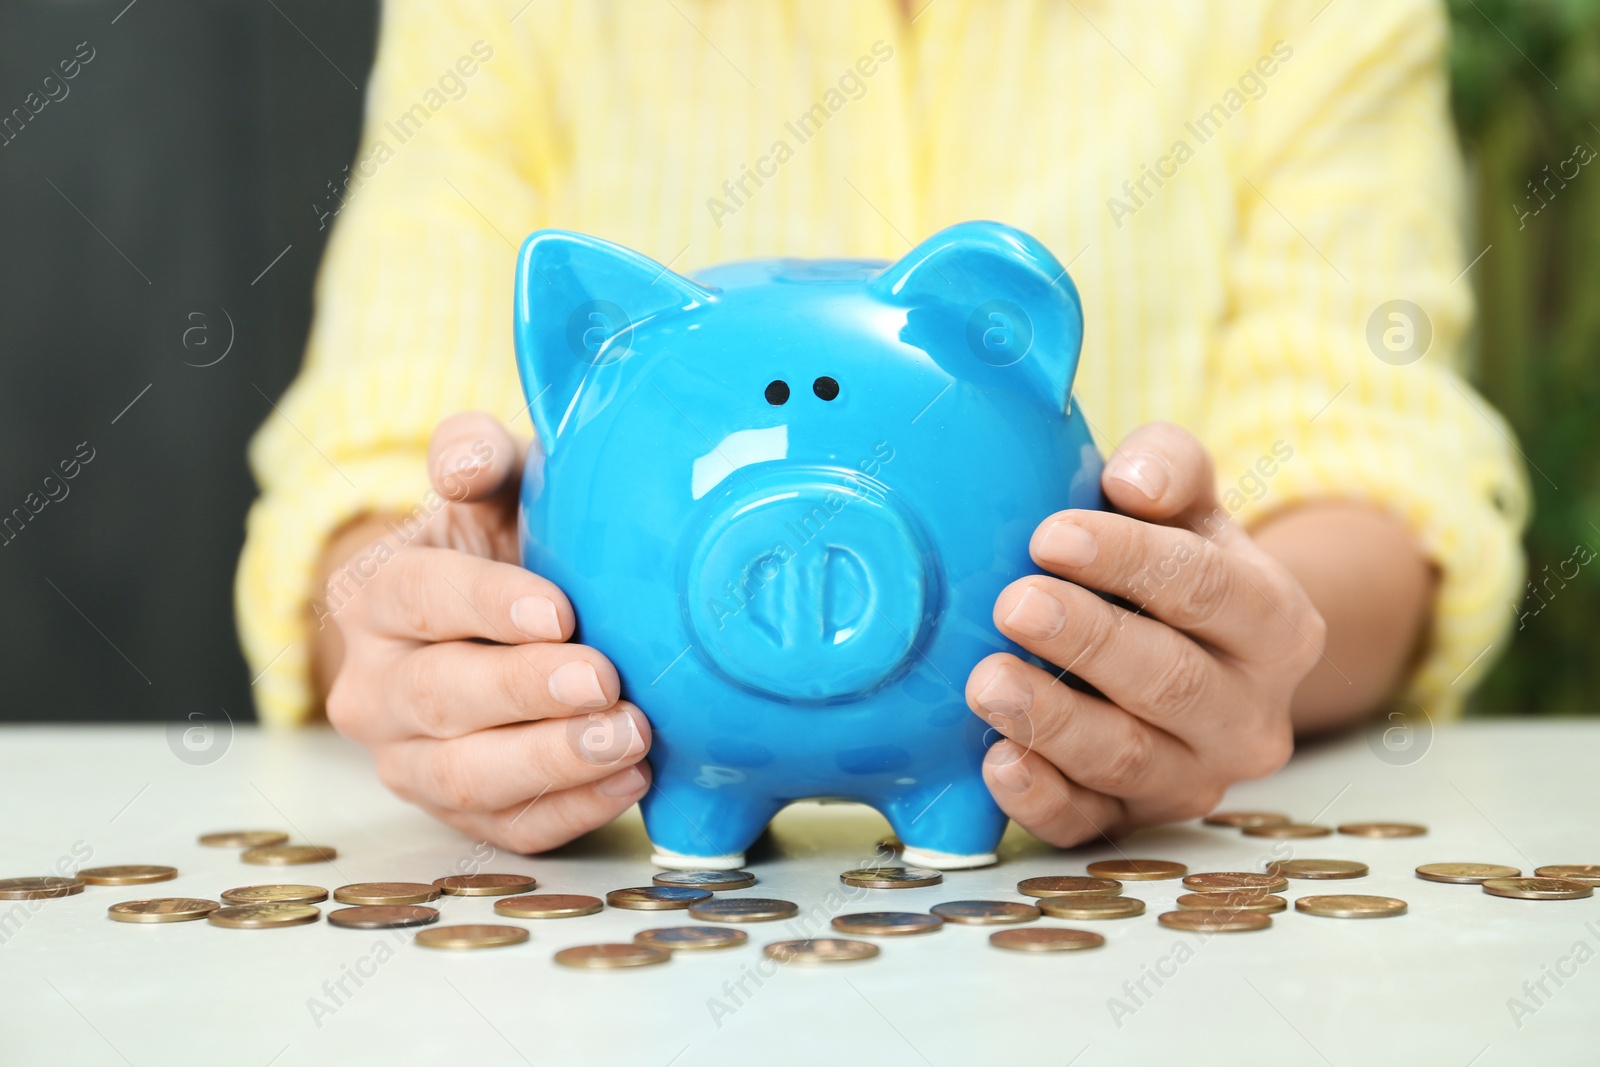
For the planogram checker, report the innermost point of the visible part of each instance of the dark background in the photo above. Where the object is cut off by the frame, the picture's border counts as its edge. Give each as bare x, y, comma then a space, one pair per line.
194, 144
189, 152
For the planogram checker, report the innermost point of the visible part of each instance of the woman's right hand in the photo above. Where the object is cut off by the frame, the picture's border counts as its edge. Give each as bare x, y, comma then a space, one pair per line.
451, 662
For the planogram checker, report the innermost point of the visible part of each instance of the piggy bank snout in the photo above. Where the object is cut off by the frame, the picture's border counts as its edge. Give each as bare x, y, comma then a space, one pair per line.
808, 585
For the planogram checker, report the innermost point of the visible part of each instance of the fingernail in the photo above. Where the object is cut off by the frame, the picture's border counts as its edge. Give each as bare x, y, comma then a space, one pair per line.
536, 616
1145, 471
622, 784
1005, 695
460, 460
1012, 774
577, 685
1037, 615
609, 738
1068, 544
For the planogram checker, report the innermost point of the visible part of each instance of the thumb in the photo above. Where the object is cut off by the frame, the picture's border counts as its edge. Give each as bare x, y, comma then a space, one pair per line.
1161, 473
472, 457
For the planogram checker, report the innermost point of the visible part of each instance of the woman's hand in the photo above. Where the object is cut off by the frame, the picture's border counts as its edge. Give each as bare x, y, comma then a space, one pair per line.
451, 663
1197, 678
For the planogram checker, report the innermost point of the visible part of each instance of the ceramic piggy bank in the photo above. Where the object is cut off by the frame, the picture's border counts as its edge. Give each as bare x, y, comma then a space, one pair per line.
783, 497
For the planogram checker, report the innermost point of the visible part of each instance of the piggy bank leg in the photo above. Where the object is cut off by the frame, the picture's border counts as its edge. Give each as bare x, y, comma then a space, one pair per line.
695, 827
946, 826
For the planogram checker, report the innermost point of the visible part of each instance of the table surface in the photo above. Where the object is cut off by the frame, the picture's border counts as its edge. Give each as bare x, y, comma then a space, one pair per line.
1440, 985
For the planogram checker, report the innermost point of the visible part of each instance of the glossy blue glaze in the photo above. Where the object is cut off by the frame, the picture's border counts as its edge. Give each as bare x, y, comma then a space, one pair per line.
795, 592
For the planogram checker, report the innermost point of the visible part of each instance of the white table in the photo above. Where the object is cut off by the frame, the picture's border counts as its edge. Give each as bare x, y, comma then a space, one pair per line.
1431, 987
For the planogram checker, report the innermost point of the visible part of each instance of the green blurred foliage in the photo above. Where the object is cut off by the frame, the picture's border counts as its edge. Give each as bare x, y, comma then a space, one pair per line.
1526, 93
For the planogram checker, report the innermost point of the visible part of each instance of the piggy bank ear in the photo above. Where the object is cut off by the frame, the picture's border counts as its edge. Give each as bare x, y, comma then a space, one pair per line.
578, 302
999, 294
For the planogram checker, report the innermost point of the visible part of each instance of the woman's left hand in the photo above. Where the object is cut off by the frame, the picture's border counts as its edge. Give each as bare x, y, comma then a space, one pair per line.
1196, 681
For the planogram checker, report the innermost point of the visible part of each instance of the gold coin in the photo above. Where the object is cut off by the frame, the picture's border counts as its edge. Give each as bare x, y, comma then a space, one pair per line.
1286, 830
547, 906
127, 874
1318, 868
386, 893
275, 894
610, 957
743, 910
1382, 829
1235, 882
1350, 906
887, 923
1587, 873
162, 910
244, 838
657, 897
716, 881
1091, 907
485, 885
39, 887
1240, 819
1054, 885
1261, 902
1045, 939
1465, 873
263, 916
287, 855
820, 950
383, 916
985, 912
1537, 888
471, 935
690, 938
1137, 870
891, 877
1215, 920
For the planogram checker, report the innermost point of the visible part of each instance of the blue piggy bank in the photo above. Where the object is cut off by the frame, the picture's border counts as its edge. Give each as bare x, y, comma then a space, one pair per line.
783, 497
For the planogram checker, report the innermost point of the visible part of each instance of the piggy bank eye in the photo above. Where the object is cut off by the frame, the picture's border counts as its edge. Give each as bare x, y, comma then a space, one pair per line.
825, 388
777, 392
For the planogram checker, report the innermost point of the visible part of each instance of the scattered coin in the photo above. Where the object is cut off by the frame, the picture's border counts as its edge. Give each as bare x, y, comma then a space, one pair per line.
891, 877
1240, 819
1091, 907
887, 923
162, 910
1587, 873
547, 906
1318, 868
820, 950
1137, 870
716, 881
985, 912
287, 855
471, 935
1350, 906
1287, 830
1465, 873
657, 897
1261, 902
383, 916
127, 874
38, 887
693, 938
244, 838
1215, 920
1045, 939
275, 894
263, 916
610, 957
1537, 888
1235, 882
386, 893
1052, 885
485, 885
1382, 829
743, 910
